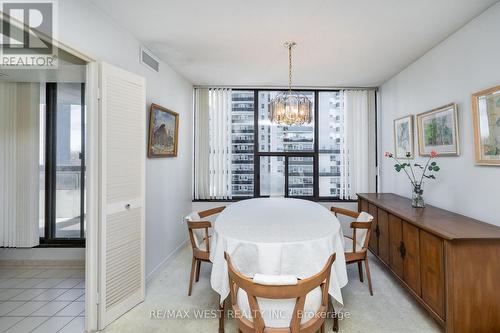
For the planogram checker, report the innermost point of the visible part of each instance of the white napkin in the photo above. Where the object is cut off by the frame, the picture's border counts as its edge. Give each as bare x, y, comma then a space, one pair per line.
275, 280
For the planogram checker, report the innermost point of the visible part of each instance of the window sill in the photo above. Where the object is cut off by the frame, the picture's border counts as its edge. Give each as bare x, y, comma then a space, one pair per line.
61, 243
324, 199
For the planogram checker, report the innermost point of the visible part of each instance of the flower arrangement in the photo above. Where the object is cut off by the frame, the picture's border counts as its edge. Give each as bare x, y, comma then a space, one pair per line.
416, 180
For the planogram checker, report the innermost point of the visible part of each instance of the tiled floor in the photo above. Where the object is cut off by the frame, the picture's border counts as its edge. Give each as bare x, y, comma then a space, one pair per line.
42, 299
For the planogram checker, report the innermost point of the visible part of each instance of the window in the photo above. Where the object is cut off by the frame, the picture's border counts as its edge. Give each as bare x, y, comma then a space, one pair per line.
62, 163
330, 137
303, 161
242, 141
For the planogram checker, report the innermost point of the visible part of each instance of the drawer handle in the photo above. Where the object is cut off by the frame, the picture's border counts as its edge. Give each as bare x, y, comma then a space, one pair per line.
402, 250
127, 206
377, 231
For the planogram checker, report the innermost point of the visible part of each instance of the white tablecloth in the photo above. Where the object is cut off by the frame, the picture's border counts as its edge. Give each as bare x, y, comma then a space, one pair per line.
278, 236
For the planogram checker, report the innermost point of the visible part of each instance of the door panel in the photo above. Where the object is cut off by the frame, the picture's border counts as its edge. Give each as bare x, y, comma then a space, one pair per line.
412, 256
373, 245
122, 168
432, 270
395, 239
383, 240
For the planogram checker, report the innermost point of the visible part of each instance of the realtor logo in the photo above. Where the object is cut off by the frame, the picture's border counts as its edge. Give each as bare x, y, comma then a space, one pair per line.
27, 34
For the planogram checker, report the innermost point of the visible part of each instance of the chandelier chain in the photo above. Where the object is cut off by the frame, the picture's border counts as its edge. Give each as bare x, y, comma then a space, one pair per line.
290, 67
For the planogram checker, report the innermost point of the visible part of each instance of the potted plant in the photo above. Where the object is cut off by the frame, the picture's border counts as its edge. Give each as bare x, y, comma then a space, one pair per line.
416, 180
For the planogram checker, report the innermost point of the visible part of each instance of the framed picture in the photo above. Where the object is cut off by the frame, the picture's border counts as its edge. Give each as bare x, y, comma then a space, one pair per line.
438, 131
163, 132
486, 120
403, 137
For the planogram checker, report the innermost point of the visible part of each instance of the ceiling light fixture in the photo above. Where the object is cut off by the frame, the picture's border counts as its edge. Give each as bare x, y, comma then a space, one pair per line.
290, 107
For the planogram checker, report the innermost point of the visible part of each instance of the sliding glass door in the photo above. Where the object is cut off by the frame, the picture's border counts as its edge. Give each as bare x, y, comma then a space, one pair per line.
64, 164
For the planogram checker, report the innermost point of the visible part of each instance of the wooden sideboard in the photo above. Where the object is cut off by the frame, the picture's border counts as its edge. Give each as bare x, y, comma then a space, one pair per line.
450, 263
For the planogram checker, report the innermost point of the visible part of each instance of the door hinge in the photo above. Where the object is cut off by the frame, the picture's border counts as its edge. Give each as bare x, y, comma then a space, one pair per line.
97, 298
99, 96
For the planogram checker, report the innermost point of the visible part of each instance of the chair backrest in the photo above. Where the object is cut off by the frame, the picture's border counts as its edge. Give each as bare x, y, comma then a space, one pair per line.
362, 227
298, 292
362, 230
198, 228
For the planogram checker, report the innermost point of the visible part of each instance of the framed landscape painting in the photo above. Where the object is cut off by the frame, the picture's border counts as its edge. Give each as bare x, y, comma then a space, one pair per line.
438, 131
486, 119
163, 132
403, 137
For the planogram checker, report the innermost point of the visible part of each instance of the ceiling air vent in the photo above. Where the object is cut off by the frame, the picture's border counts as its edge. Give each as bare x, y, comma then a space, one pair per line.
149, 60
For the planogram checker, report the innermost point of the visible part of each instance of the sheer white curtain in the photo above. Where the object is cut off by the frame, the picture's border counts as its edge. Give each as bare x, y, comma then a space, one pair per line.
19, 164
212, 144
358, 159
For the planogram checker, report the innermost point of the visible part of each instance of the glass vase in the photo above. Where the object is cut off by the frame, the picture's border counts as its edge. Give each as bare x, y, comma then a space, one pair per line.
417, 196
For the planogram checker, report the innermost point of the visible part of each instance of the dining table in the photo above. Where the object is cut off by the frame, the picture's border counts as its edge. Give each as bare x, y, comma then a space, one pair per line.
277, 236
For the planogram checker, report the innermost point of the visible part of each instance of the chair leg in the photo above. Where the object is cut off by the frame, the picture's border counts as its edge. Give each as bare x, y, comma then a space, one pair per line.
221, 316
360, 271
193, 267
335, 317
335, 321
322, 328
198, 266
368, 276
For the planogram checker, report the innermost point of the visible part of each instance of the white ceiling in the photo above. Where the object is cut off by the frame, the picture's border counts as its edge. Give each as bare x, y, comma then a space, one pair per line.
340, 42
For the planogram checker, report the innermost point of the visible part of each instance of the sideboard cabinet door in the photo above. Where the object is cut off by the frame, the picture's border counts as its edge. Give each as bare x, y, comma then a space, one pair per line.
432, 270
395, 240
383, 239
373, 245
412, 256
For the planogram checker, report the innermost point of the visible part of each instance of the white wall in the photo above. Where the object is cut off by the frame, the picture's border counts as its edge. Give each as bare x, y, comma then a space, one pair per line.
168, 180
466, 62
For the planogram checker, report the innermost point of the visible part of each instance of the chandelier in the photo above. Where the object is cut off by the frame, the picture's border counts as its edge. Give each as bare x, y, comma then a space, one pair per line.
290, 108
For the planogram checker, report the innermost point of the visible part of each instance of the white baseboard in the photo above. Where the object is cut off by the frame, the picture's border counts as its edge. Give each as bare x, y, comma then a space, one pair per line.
38, 253
165, 261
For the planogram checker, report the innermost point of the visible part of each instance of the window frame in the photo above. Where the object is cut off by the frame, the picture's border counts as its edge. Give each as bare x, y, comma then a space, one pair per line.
49, 238
314, 154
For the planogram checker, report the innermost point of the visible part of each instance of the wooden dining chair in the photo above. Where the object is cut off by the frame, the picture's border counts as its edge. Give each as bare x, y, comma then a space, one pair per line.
303, 302
356, 248
200, 240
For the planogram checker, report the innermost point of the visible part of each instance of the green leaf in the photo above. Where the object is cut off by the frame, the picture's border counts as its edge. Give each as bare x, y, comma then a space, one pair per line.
436, 168
433, 163
430, 168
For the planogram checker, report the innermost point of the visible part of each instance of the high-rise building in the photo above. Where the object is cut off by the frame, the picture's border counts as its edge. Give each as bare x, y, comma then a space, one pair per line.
274, 138
242, 141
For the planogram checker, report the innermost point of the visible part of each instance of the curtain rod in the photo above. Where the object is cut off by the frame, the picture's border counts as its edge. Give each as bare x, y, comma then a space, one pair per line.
283, 87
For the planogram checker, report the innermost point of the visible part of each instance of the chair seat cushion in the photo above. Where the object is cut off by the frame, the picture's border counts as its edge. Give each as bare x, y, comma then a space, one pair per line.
278, 312
348, 245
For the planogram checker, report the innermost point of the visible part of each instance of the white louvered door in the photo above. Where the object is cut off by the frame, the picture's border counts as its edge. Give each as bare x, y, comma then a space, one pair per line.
122, 106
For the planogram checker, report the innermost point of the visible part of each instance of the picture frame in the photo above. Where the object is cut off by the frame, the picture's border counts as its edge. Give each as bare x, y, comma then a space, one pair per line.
404, 137
438, 131
163, 132
486, 122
